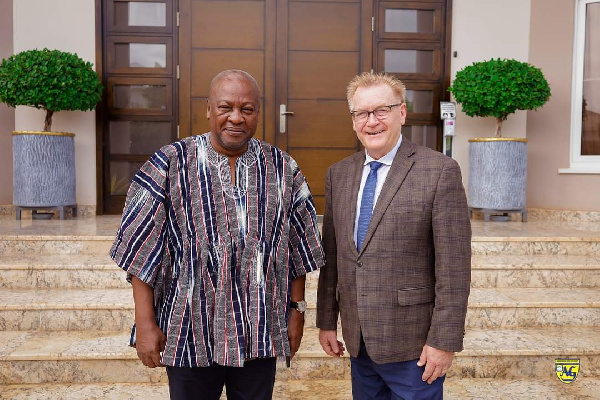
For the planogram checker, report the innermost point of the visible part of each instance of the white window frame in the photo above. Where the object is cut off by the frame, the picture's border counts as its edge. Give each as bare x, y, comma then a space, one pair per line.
579, 164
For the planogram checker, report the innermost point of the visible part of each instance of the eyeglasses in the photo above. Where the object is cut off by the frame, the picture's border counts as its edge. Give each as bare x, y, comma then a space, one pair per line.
380, 113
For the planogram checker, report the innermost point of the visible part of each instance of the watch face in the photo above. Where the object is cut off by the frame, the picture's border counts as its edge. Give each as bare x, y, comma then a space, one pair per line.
301, 306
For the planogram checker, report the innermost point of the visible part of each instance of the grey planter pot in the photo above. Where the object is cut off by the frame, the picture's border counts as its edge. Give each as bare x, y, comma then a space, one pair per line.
44, 169
498, 173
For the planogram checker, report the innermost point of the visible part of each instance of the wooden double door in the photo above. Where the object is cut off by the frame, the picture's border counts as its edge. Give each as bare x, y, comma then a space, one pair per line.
302, 54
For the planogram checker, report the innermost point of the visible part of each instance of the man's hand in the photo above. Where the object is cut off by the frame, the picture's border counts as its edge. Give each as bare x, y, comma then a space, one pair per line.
437, 363
330, 344
295, 330
150, 341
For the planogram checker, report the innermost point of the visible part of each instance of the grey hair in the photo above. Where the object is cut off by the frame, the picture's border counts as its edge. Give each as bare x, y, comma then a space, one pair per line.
367, 79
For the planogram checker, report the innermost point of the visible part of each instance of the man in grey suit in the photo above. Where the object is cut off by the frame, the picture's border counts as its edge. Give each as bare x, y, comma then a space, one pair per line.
397, 237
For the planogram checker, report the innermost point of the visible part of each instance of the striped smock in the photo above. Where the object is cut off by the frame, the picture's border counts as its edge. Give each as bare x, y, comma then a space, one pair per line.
219, 257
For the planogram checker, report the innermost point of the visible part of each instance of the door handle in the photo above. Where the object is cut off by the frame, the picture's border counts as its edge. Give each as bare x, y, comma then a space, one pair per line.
283, 113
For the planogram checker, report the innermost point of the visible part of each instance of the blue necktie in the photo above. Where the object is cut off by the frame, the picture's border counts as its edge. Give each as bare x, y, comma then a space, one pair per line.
366, 204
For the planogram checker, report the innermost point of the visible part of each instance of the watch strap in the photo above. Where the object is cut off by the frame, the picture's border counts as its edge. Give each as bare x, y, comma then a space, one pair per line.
296, 306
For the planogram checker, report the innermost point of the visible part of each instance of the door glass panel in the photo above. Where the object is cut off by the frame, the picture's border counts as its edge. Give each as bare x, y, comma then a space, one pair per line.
590, 124
425, 135
140, 96
121, 173
408, 61
140, 55
419, 101
409, 21
138, 13
139, 137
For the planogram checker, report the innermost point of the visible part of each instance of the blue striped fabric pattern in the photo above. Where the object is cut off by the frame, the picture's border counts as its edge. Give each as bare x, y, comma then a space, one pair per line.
220, 257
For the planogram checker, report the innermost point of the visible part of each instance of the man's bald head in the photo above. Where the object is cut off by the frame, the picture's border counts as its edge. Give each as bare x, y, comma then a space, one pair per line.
233, 74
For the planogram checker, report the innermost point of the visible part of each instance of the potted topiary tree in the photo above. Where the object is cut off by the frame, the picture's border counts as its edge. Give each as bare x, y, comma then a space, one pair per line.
44, 161
498, 165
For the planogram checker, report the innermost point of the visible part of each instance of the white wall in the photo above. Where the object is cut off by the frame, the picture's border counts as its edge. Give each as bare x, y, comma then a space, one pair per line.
7, 114
67, 25
484, 29
549, 129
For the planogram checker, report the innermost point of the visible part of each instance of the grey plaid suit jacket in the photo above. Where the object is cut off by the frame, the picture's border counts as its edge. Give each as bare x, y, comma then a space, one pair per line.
409, 285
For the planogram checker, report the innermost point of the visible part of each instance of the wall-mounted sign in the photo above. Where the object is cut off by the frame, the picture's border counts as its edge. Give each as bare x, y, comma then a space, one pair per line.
447, 110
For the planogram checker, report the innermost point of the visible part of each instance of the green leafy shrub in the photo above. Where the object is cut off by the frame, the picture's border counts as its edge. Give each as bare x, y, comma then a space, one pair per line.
498, 88
51, 80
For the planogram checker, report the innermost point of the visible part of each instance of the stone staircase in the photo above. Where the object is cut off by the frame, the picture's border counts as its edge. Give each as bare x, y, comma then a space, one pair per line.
66, 311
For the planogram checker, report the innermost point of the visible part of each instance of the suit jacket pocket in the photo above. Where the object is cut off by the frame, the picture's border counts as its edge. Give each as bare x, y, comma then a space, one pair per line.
412, 296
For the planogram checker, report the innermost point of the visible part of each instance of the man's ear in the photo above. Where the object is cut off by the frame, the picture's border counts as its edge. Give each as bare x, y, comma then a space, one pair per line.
403, 113
207, 110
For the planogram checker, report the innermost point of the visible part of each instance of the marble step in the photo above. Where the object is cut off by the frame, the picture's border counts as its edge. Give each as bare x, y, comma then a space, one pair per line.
535, 271
112, 309
95, 235
565, 245
536, 238
52, 271
518, 307
533, 307
104, 226
66, 309
317, 389
89, 391
95, 356
547, 388
70, 236
80, 244
525, 271
99, 271
55, 244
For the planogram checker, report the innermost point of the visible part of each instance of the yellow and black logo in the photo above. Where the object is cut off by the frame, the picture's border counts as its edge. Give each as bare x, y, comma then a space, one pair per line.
567, 369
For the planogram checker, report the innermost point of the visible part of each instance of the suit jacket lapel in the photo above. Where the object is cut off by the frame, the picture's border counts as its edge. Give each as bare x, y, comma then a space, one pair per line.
396, 175
353, 184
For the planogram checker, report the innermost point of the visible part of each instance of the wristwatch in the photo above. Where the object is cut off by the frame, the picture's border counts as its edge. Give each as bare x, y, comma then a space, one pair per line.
299, 306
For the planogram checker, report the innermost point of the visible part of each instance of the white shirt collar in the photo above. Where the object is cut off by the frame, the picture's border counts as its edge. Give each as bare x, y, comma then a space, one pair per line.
388, 158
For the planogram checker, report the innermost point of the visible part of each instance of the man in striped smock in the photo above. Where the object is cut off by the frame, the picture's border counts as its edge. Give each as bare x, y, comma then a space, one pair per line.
218, 233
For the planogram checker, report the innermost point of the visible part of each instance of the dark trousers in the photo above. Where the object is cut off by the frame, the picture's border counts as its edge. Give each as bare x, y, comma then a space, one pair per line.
391, 381
253, 381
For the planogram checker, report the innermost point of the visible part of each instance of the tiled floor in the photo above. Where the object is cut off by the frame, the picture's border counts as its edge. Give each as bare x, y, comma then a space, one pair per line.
101, 226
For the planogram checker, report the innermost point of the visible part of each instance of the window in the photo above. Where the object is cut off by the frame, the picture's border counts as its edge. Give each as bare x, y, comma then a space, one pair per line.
140, 76
412, 41
585, 114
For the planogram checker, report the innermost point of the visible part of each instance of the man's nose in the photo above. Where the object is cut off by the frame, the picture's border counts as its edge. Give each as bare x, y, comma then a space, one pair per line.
372, 119
236, 116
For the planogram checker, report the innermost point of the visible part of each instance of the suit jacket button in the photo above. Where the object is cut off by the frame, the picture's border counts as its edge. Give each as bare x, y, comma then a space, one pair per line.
360, 263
